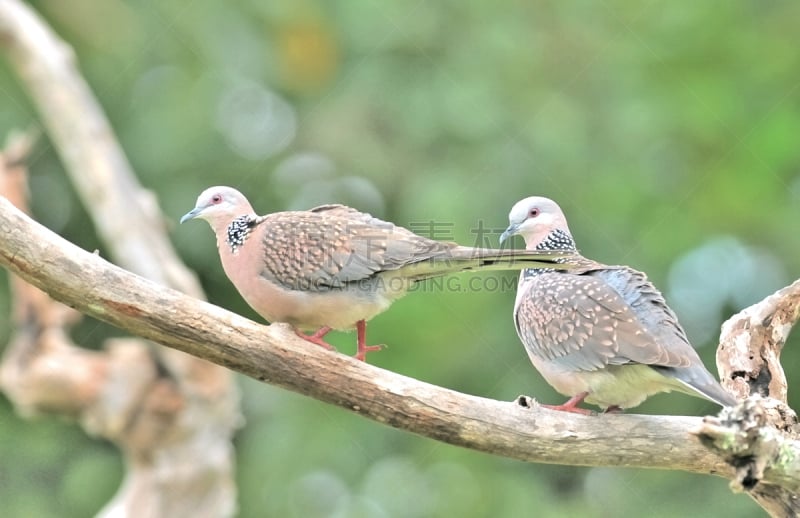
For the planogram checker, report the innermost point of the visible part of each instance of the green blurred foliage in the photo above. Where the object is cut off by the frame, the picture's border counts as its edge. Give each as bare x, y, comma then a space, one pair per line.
667, 131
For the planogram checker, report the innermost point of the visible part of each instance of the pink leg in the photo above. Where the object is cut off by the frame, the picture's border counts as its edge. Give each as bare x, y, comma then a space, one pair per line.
572, 405
317, 338
363, 348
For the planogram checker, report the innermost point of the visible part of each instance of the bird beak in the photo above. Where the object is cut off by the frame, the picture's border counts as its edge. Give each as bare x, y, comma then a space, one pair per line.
510, 231
192, 214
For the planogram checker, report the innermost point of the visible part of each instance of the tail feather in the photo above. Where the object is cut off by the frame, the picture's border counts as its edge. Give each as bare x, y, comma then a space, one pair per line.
713, 392
463, 258
699, 383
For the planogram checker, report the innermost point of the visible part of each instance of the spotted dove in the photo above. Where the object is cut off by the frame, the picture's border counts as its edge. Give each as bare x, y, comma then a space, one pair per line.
332, 267
599, 333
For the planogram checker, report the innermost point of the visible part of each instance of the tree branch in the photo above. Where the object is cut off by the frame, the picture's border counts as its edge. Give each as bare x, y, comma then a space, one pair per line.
91, 153
272, 354
174, 429
759, 438
751, 343
173, 432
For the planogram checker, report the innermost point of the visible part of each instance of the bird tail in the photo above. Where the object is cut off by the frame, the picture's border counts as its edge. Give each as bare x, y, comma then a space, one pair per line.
703, 385
465, 258
713, 392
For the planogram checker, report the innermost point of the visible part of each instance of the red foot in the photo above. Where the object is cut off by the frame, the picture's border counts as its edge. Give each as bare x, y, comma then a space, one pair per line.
317, 338
363, 348
572, 405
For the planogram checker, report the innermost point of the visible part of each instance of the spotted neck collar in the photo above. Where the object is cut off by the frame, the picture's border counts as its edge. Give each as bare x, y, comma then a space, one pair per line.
239, 230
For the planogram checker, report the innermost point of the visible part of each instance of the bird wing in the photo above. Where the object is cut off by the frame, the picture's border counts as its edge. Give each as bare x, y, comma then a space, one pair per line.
581, 322
648, 304
652, 310
332, 245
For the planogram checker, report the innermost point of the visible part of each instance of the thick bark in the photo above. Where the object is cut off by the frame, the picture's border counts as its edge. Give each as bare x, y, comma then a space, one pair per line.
760, 437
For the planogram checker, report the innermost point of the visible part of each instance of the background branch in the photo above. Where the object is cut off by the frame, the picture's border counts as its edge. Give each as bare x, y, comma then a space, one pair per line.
175, 429
176, 441
93, 158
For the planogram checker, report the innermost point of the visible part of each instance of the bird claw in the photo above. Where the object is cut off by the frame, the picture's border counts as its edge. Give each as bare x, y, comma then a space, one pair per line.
364, 349
571, 405
317, 338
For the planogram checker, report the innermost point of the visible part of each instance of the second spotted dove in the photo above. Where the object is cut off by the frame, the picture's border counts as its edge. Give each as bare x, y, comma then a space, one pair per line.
332, 267
599, 333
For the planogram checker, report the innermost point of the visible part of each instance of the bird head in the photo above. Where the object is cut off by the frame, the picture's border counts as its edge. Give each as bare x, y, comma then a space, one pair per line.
534, 218
219, 206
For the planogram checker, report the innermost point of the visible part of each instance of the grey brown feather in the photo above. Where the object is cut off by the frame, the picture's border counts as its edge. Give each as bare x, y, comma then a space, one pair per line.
604, 330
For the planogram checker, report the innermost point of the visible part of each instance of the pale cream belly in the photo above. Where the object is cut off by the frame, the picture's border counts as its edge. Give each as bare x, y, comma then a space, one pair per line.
624, 386
306, 310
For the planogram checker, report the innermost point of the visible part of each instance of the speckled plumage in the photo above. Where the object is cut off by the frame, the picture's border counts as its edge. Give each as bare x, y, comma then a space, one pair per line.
599, 332
333, 267
331, 247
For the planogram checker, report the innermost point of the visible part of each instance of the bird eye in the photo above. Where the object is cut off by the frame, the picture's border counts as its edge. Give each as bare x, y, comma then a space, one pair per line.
217, 198
533, 212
